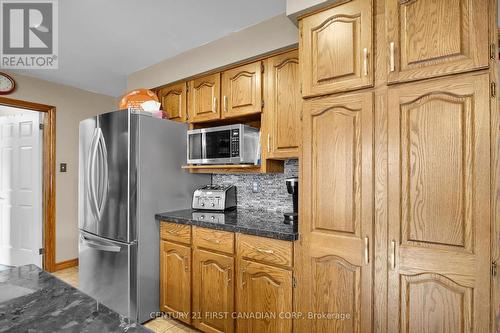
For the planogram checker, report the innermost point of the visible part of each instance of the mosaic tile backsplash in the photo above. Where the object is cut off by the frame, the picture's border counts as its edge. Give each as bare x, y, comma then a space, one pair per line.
272, 194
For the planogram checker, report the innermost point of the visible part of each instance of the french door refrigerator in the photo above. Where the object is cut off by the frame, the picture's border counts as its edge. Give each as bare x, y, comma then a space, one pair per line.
129, 169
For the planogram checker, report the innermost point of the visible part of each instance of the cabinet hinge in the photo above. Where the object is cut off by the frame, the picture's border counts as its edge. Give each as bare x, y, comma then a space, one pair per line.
262, 104
494, 268
41, 251
493, 89
493, 51
40, 126
294, 282
262, 67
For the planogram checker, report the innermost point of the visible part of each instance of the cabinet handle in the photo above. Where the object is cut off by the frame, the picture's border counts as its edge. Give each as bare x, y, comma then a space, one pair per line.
393, 254
215, 241
186, 266
268, 143
242, 284
367, 250
175, 233
391, 59
229, 276
225, 103
214, 106
365, 61
265, 251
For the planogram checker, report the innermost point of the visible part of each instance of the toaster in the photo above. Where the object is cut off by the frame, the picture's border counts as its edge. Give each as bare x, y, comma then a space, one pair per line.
215, 197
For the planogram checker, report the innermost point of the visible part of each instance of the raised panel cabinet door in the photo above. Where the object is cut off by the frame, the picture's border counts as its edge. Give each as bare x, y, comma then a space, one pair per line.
173, 101
175, 280
429, 38
336, 49
213, 292
335, 254
439, 206
284, 105
242, 90
204, 98
264, 291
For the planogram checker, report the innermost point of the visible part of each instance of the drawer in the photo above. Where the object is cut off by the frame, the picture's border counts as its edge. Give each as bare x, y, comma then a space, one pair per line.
217, 240
175, 232
266, 250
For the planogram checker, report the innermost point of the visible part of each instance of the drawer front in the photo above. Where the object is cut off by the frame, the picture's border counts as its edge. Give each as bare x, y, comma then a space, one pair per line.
175, 232
217, 240
266, 250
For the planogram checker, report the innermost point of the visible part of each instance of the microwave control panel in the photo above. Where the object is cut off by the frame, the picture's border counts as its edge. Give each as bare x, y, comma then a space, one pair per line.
235, 143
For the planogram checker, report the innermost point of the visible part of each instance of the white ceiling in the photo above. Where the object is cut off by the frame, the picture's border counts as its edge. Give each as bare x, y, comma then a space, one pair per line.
101, 42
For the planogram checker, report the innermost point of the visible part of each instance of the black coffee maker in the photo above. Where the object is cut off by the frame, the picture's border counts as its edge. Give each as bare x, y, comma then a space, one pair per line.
292, 186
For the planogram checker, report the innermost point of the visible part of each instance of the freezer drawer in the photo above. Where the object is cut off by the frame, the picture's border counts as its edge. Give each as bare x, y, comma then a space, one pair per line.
107, 272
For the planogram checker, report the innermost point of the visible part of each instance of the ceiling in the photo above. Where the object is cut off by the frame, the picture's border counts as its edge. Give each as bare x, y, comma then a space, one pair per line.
101, 42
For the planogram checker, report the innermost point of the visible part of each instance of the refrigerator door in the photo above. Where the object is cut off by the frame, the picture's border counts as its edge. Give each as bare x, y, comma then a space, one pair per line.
107, 272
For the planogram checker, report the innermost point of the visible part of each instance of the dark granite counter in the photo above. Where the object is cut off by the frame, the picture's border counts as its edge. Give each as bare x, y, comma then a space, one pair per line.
32, 300
245, 221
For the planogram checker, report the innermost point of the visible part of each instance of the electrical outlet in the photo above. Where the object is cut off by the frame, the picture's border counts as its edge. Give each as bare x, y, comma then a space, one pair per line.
62, 167
255, 187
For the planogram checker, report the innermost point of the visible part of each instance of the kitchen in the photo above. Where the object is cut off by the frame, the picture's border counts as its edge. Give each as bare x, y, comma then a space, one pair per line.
318, 186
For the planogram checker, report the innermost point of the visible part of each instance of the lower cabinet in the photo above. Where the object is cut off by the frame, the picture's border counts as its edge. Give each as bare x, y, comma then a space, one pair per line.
213, 291
264, 298
175, 280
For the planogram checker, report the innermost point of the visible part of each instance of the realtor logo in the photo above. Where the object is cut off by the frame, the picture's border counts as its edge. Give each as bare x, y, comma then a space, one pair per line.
29, 38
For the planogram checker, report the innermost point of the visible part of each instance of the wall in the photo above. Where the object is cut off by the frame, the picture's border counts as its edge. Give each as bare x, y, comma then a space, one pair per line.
72, 105
272, 194
296, 8
275, 33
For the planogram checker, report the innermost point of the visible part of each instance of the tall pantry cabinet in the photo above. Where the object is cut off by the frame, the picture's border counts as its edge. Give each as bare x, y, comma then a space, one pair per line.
397, 184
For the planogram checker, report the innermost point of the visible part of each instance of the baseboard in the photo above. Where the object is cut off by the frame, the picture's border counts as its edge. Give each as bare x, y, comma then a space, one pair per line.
66, 264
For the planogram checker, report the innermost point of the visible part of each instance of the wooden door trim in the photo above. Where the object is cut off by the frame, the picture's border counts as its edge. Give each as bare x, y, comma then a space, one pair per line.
49, 176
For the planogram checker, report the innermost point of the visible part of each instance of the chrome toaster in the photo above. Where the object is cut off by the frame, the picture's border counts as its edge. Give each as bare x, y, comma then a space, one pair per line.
215, 197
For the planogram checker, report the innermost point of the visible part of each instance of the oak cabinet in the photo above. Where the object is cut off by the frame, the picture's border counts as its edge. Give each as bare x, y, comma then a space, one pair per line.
204, 98
439, 206
213, 291
429, 38
173, 101
334, 258
242, 90
263, 289
175, 280
336, 51
283, 106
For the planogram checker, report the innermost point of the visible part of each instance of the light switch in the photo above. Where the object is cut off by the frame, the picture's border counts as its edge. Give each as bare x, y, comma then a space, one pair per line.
62, 167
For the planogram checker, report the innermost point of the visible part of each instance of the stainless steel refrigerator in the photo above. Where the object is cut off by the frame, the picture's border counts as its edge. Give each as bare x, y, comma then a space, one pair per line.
129, 169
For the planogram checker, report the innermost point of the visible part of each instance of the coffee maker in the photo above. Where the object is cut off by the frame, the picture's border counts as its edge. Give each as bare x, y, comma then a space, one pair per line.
292, 186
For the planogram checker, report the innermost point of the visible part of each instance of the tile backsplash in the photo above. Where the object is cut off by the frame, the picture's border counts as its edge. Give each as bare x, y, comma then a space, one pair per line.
271, 188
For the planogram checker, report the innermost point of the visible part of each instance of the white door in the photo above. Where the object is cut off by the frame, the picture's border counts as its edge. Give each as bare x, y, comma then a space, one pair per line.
20, 189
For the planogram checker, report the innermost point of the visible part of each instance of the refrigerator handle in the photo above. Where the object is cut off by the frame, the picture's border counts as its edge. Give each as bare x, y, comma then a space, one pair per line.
103, 174
102, 247
91, 172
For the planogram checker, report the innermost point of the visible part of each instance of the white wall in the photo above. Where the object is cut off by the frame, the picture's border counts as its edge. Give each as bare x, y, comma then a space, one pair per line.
267, 36
295, 8
72, 105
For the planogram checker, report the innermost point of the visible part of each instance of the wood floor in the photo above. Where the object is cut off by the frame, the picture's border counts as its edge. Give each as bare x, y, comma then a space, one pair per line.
159, 325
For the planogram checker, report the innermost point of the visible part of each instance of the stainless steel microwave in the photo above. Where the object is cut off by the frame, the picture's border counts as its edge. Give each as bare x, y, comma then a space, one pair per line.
231, 144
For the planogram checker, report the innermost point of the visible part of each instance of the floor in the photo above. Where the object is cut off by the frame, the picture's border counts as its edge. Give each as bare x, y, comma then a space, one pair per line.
159, 325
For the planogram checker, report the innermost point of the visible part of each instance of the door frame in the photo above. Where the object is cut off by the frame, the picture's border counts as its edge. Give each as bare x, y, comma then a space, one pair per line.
49, 176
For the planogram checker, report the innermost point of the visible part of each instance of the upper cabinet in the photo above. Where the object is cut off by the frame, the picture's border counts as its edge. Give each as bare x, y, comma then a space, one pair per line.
173, 101
336, 51
204, 98
283, 106
242, 90
429, 38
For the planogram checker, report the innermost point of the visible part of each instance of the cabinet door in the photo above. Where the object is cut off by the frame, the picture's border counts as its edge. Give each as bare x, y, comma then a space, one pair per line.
334, 257
242, 90
439, 206
263, 289
284, 106
429, 38
213, 292
173, 101
204, 102
336, 49
175, 280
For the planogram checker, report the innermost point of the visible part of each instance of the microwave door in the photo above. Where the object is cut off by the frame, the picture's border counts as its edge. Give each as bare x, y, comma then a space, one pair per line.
218, 147
195, 147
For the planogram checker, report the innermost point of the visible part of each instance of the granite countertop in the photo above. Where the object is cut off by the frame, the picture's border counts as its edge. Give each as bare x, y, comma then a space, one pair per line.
245, 221
32, 300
